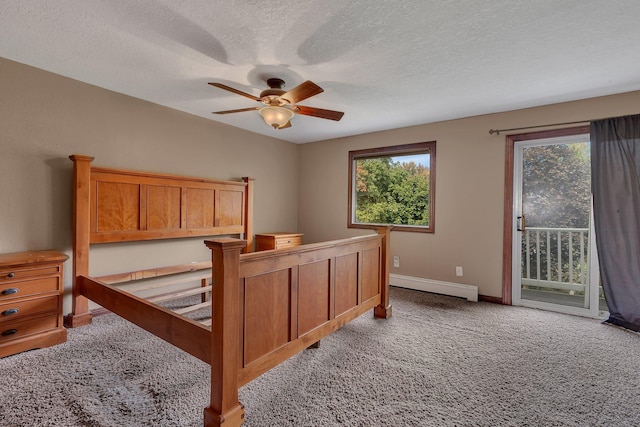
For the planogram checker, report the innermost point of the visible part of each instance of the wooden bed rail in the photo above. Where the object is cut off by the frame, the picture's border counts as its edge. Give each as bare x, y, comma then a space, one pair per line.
270, 305
182, 332
155, 272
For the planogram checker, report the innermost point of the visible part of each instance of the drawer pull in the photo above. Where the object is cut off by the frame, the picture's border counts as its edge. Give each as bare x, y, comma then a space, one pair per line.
10, 311
10, 291
9, 332
10, 275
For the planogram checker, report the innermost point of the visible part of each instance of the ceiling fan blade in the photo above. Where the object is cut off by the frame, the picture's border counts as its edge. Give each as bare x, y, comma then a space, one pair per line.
236, 111
302, 91
319, 112
239, 92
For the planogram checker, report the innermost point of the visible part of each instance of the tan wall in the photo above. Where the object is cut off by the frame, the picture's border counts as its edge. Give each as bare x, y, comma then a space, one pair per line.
45, 117
469, 189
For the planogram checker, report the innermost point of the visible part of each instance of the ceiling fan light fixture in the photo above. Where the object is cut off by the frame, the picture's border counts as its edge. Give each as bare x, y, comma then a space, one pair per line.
276, 117
280, 106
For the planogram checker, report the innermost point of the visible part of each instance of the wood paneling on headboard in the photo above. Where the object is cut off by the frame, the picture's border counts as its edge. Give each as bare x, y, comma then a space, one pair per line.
129, 206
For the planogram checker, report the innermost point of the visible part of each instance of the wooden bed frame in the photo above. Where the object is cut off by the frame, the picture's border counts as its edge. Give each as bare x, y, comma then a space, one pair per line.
265, 306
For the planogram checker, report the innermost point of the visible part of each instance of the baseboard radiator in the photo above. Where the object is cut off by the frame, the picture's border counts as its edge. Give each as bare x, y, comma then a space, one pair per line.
469, 292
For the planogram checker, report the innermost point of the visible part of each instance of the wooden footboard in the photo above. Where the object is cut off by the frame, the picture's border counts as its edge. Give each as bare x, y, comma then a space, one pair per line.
267, 306
270, 305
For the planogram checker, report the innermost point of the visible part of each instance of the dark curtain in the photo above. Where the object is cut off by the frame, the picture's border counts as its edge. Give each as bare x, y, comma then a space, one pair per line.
615, 175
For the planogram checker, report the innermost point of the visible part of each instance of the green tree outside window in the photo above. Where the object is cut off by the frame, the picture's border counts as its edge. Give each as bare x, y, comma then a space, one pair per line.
393, 186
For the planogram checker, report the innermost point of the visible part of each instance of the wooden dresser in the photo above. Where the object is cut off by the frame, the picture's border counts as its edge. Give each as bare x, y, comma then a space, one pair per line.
31, 287
268, 241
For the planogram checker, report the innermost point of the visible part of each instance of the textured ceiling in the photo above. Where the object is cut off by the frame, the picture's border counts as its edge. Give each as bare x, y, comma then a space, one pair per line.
386, 64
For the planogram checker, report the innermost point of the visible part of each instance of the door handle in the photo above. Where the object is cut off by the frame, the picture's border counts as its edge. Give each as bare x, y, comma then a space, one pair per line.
522, 223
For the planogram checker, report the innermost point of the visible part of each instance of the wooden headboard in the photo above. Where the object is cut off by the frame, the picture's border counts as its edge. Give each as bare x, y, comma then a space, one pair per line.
111, 205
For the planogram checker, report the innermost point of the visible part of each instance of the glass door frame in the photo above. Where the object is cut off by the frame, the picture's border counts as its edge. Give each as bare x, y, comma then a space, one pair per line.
509, 212
593, 270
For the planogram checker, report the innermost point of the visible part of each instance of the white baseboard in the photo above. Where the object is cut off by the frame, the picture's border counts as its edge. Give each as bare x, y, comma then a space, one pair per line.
469, 292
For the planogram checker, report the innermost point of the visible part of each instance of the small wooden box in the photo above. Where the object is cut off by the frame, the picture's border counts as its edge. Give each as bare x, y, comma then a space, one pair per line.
31, 288
268, 241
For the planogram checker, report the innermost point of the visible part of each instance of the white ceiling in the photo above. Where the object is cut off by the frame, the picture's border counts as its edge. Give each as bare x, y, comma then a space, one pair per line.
386, 64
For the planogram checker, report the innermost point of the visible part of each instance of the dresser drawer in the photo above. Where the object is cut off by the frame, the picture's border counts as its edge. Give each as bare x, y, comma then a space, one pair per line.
13, 330
31, 289
288, 241
17, 309
10, 274
20, 289
267, 241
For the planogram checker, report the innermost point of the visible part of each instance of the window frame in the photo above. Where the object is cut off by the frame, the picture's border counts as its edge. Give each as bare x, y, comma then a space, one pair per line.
392, 151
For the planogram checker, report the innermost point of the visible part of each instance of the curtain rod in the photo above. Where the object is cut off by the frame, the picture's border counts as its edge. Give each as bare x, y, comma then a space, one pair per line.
497, 131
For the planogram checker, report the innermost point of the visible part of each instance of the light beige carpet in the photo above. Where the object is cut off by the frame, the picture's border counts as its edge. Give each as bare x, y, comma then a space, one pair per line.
439, 361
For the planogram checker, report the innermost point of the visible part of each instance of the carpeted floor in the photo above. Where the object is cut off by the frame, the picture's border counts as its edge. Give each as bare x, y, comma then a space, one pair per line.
439, 361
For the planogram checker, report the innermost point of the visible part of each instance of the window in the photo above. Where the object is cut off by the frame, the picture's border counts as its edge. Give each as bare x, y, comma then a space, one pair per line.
393, 186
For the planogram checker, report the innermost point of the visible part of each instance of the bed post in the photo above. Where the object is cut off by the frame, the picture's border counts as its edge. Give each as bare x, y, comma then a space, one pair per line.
224, 409
248, 209
383, 311
81, 230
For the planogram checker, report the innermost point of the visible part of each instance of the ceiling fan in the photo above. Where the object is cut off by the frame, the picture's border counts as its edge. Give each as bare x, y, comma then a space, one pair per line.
280, 105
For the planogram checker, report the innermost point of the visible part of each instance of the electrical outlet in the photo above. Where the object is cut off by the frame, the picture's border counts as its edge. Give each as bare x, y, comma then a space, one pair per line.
396, 261
458, 271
